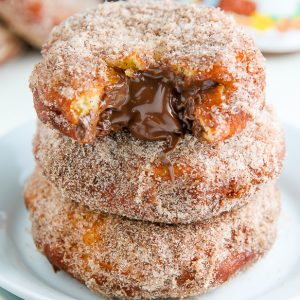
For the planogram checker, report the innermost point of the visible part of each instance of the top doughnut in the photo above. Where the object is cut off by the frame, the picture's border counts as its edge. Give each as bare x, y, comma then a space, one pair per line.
159, 69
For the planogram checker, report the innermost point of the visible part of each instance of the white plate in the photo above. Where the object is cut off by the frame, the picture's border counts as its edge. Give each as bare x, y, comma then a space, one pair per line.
26, 273
274, 41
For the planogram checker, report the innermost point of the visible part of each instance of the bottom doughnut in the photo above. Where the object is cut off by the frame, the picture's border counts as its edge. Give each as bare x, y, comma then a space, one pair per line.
129, 259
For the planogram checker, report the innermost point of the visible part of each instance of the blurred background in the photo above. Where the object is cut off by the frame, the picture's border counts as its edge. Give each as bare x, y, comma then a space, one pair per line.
25, 25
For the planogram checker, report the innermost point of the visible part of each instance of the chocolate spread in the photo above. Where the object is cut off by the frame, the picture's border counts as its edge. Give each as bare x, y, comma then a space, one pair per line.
152, 105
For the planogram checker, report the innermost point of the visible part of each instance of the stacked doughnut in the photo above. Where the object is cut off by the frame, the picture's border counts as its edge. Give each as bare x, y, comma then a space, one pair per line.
156, 154
31, 21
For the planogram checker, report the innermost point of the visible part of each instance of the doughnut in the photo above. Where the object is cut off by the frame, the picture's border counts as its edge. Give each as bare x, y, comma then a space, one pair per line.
158, 69
10, 45
34, 19
129, 259
122, 175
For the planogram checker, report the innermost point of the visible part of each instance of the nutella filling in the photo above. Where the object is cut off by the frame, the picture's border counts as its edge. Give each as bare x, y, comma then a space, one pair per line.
152, 105
148, 110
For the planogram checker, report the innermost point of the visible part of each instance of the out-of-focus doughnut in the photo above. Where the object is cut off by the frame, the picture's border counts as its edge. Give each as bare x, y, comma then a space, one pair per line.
122, 175
160, 69
131, 259
34, 19
10, 45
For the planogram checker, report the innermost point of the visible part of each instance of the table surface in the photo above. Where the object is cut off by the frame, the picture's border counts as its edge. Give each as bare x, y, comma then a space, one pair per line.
283, 91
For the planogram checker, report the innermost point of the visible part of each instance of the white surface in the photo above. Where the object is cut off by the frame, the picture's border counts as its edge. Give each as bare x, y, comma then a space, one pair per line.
276, 7
283, 90
25, 272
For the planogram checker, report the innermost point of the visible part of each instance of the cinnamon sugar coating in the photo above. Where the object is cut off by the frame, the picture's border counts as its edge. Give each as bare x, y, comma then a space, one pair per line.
125, 176
84, 54
128, 259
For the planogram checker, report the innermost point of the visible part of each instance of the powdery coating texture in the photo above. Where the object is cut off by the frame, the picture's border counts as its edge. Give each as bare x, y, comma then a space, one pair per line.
191, 40
10, 45
34, 19
125, 176
131, 259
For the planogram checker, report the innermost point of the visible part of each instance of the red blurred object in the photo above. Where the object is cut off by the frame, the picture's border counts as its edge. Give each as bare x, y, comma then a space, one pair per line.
242, 7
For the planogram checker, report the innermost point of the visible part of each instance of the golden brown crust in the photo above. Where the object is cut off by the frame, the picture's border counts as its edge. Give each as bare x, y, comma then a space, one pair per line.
131, 259
122, 175
34, 19
195, 43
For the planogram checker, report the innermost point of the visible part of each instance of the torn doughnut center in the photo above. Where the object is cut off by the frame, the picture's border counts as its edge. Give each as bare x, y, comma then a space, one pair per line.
152, 105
